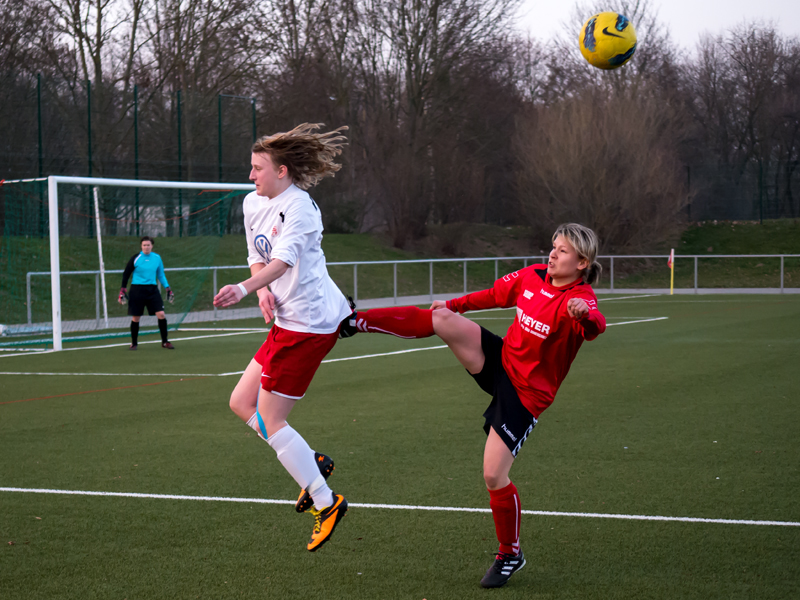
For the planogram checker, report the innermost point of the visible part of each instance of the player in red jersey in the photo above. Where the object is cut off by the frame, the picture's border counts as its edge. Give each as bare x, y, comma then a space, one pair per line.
283, 228
556, 312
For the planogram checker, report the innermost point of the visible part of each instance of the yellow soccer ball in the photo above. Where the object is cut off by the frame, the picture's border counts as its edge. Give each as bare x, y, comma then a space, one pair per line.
608, 40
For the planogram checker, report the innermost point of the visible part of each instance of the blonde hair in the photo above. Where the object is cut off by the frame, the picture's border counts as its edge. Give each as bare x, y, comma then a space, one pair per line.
308, 156
586, 244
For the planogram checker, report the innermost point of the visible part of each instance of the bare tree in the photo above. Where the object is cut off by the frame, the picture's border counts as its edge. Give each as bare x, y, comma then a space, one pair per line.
610, 162
204, 48
410, 58
745, 103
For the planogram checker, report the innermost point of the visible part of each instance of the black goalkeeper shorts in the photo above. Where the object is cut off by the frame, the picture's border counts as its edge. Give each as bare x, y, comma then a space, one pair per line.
144, 296
506, 413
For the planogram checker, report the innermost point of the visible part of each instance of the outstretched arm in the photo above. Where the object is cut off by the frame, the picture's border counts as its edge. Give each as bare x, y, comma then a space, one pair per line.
502, 295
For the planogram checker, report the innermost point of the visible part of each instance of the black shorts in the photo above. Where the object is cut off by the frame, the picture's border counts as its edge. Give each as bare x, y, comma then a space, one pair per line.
141, 296
506, 413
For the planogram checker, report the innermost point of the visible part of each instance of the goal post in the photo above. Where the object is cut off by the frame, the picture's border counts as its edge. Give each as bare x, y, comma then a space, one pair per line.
197, 212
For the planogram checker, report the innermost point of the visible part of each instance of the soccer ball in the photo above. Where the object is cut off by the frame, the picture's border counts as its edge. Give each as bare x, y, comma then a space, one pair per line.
608, 40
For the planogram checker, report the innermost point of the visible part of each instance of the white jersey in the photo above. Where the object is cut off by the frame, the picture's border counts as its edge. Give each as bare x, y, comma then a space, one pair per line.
289, 228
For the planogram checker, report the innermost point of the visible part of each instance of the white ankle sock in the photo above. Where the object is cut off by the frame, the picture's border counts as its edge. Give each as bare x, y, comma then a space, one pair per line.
321, 493
295, 455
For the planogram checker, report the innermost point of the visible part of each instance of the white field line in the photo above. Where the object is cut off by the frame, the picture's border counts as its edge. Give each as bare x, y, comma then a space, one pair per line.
637, 321
546, 513
330, 360
333, 360
694, 301
128, 374
250, 329
183, 339
511, 315
629, 297
29, 350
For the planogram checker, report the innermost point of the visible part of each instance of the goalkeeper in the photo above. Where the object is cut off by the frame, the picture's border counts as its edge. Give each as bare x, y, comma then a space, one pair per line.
145, 267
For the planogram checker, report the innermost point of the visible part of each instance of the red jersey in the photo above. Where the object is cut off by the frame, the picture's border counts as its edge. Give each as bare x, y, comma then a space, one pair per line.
543, 340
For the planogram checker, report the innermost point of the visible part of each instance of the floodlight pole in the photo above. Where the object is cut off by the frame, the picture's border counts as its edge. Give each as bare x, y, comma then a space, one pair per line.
55, 264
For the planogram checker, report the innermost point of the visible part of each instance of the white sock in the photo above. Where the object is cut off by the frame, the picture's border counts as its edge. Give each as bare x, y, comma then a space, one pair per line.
295, 455
320, 492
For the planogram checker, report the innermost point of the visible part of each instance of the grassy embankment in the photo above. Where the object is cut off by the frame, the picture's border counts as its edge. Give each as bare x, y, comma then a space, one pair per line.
194, 289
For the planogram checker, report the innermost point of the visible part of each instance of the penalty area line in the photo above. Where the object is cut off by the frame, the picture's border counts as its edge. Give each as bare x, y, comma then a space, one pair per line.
333, 360
638, 321
182, 339
543, 513
629, 297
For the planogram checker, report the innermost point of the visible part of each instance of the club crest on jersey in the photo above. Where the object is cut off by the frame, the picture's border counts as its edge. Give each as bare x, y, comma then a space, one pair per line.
528, 294
263, 247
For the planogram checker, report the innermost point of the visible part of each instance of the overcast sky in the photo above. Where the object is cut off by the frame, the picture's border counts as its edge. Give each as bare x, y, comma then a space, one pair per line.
685, 19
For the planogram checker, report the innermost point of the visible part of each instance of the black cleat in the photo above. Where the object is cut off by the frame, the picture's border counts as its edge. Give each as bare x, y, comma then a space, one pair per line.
325, 465
347, 328
133, 347
168, 346
505, 565
325, 521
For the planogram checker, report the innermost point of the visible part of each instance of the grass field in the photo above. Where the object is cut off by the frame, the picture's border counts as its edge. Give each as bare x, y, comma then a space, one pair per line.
694, 415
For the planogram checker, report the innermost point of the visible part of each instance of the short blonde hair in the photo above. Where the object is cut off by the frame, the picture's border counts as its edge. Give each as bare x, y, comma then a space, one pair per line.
586, 244
308, 156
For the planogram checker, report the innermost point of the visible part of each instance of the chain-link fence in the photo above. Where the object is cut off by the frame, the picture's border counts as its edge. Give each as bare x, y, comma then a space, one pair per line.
51, 127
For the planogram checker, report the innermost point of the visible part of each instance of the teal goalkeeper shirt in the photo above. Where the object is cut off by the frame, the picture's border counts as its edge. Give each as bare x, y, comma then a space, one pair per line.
146, 268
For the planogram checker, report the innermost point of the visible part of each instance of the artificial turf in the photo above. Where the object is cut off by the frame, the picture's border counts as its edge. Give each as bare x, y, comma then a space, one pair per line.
691, 416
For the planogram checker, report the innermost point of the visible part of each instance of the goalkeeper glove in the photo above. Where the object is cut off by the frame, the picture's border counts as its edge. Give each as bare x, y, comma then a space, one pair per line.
170, 296
123, 296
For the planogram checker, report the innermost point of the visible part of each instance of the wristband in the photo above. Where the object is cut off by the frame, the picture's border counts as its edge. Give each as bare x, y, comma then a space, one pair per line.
244, 289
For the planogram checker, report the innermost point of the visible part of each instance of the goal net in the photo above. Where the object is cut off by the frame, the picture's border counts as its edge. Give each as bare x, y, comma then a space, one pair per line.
66, 241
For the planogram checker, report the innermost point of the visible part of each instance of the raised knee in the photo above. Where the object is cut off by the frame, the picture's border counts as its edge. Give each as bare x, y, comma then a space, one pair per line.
239, 406
442, 315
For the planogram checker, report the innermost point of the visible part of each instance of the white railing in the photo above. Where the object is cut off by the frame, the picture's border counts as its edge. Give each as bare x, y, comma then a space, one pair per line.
430, 261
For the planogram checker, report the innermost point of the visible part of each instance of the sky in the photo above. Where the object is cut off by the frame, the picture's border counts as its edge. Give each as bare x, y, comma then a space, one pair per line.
685, 19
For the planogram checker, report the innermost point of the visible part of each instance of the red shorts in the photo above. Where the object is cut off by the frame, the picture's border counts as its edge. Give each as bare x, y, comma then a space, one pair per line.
289, 360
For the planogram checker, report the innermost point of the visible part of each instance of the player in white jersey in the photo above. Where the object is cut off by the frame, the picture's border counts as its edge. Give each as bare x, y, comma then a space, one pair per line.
283, 227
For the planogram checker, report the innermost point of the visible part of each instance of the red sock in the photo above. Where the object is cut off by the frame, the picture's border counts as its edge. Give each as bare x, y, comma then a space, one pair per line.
402, 321
507, 514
